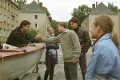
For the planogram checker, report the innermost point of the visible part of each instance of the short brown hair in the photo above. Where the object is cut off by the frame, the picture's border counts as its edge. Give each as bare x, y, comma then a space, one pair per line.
24, 23
75, 20
63, 24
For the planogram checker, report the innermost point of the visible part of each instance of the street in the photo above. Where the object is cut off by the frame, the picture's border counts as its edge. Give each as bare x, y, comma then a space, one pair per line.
59, 68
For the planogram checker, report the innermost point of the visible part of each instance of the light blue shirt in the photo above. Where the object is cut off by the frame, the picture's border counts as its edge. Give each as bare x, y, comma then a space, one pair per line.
105, 59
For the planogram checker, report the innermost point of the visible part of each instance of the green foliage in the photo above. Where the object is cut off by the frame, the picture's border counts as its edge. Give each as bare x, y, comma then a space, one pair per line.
21, 3
54, 24
81, 12
112, 7
48, 13
46, 10
69, 27
32, 32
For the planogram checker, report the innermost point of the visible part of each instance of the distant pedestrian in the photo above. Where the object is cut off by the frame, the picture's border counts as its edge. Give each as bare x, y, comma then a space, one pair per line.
85, 42
70, 47
51, 55
105, 60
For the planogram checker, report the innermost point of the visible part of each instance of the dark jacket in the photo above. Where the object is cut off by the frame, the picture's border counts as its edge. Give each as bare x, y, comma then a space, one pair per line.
49, 57
16, 38
84, 39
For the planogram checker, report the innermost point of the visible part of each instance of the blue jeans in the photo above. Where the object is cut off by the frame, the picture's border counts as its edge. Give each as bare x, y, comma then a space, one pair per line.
70, 71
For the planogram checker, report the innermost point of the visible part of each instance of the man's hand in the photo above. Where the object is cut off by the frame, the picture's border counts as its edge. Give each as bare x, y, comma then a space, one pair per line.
74, 61
38, 36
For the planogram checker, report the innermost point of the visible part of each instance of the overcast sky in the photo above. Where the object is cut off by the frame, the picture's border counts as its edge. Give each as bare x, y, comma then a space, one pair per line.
61, 10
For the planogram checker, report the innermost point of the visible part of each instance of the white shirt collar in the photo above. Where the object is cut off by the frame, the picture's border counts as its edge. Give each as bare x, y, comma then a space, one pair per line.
67, 30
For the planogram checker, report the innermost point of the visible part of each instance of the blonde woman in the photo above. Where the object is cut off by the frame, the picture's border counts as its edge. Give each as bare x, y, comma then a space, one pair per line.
51, 55
105, 60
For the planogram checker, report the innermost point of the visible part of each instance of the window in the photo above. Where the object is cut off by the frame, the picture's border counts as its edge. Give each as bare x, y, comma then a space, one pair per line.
36, 17
0, 2
7, 33
5, 18
0, 31
4, 32
11, 9
13, 21
8, 6
5, 4
8, 19
16, 23
0, 16
17, 12
12, 27
14, 10
35, 25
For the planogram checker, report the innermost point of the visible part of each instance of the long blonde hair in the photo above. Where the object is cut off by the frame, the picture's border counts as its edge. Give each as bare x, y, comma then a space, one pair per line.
115, 39
49, 27
107, 25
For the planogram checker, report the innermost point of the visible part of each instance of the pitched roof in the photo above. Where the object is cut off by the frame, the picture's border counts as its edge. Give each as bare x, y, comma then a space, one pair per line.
102, 9
33, 7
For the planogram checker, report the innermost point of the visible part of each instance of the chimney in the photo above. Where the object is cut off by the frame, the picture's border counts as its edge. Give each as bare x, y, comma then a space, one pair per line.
90, 9
38, 1
96, 3
93, 6
40, 4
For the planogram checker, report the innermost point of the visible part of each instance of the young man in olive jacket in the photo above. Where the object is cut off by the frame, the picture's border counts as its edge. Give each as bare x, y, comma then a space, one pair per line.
85, 42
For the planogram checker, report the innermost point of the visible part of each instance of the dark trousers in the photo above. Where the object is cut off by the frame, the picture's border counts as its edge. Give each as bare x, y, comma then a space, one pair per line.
70, 71
82, 63
49, 71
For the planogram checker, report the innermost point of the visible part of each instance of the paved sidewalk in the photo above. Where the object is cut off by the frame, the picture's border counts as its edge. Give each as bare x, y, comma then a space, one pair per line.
59, 69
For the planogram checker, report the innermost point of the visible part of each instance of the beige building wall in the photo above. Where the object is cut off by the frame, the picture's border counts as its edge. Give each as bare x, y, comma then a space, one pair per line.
114, 18
119, 25
48, 21
9, 18
85, 24
42, 21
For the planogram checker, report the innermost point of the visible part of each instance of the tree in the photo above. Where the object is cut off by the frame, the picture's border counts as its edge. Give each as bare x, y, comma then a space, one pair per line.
81, 12
112, 7
46, 10
67, 24
32, 32
21, 3
54, 24
48, 13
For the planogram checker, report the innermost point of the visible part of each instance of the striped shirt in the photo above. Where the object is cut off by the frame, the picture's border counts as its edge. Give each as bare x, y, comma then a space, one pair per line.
70, 44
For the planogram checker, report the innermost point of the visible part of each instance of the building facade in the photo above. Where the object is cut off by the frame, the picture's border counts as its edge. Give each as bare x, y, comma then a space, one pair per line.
119, 25
37, 17
9, 18
98, 10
